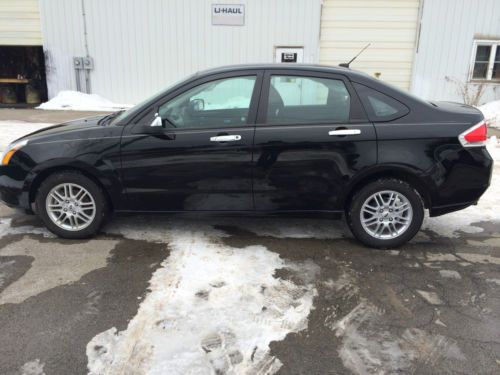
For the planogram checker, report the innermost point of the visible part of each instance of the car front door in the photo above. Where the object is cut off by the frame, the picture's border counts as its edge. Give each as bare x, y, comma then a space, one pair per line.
311, 138
193, 151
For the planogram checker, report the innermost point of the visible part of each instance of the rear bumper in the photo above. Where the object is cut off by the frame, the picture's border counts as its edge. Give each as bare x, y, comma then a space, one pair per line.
442, 210
464, 183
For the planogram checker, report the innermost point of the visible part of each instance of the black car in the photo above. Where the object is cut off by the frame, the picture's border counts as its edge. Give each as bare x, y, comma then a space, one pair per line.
259, 140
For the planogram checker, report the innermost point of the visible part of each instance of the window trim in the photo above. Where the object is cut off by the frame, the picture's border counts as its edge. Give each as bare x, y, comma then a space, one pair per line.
197, 81
495, 45
357, 114
369, 107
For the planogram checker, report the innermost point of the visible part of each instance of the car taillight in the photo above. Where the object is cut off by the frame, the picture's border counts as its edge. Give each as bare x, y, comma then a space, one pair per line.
475, 136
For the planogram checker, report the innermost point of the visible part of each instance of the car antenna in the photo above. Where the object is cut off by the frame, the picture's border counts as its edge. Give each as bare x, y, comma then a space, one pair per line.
346, 65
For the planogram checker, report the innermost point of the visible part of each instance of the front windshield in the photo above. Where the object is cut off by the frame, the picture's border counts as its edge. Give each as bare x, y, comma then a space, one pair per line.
132, 110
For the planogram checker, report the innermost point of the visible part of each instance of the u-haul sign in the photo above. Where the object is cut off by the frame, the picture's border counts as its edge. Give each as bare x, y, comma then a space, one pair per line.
228, 14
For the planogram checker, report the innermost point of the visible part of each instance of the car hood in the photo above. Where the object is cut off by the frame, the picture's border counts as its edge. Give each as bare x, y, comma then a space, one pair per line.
65, 130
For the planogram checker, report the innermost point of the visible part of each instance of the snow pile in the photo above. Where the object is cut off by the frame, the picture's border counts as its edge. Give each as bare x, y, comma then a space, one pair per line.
491, 112
12, 130
79, 101
488, 208
212, 309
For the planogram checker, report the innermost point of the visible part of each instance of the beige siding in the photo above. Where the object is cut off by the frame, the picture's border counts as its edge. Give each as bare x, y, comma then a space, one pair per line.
390, 26
20, 23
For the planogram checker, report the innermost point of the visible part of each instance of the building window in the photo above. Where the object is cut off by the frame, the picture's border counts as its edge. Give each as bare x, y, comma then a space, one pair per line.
486, 60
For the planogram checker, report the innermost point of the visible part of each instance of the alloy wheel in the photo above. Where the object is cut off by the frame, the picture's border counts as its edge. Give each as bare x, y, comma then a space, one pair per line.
70, 207
386, 214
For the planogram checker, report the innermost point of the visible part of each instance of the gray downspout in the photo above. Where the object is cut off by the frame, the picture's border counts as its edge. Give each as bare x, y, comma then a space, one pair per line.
86, 45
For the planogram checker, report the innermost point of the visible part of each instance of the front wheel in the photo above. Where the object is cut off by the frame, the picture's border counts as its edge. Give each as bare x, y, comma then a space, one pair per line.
385, 213
71, 205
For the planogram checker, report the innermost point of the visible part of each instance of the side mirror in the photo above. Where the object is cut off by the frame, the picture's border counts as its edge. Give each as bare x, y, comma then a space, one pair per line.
196, 105
157, 121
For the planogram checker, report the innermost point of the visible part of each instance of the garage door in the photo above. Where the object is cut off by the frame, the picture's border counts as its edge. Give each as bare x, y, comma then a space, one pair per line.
20, 23
390, 26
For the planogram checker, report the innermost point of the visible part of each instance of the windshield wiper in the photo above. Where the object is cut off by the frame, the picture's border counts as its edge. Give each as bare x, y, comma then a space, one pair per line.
106, 119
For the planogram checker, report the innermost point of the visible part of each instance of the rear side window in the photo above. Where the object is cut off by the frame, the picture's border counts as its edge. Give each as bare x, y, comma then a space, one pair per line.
299, 100
380, 107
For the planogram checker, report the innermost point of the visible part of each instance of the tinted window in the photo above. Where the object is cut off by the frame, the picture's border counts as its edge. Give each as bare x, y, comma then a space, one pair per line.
297, 100
380, 107
224, 102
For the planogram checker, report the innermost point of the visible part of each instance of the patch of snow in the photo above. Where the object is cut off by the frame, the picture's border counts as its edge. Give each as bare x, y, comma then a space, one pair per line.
212, 309
450, 274
491, 112
32, 368
79, 101
367, 348
12, 130
440, 257
6, 229
430, 297
479, 258
487, 209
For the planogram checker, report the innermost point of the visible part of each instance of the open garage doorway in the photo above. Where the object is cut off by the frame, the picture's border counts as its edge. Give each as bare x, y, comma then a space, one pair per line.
22, 76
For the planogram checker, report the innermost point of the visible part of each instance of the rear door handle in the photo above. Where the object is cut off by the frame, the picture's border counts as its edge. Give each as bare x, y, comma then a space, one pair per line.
225, 138
345, 132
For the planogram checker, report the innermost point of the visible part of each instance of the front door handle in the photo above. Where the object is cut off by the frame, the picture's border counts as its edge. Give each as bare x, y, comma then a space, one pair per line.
345, 132
225, 138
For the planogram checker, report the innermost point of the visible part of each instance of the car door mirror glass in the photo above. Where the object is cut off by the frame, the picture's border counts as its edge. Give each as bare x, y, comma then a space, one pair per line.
196, 105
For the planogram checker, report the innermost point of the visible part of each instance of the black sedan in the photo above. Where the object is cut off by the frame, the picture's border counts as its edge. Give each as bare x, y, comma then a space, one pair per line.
258, 140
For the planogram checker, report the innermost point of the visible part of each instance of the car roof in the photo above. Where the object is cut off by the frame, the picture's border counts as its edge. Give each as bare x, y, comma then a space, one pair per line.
283, 66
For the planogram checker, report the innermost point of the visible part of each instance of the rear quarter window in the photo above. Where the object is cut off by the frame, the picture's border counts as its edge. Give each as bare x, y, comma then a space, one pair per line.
380, 107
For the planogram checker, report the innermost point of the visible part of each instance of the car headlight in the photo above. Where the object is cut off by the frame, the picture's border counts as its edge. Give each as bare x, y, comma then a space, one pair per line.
11, 150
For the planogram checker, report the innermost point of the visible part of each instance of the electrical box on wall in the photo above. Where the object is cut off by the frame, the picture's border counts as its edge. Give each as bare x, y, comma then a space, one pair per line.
289, 55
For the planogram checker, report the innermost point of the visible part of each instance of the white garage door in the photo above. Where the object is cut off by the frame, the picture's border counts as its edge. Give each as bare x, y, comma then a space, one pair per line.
20, 23
390, 26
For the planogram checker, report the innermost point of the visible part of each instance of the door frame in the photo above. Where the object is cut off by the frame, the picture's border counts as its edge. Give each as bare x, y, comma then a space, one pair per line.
357, 113
135, 122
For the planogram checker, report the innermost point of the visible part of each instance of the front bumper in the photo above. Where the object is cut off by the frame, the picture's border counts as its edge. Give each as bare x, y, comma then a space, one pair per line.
12, 191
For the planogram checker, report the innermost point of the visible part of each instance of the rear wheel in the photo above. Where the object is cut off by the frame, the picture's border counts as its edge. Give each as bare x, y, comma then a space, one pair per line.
385, 213
71, 205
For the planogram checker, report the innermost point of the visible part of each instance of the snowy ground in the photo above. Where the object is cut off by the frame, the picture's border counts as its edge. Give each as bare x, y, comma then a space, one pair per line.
78, 101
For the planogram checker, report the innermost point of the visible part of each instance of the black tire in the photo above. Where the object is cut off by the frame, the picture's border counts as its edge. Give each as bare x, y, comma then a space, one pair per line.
73, 177
354, 213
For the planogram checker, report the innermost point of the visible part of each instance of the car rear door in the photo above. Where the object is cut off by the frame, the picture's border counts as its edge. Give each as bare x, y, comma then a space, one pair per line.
202, 158
311, 138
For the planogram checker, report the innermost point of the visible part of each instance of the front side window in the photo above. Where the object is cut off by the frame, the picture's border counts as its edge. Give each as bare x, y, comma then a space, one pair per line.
220, 103
380, 107
486, 60
298, 100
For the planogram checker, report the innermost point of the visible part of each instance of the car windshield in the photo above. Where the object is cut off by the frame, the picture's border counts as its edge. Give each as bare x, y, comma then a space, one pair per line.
133, 110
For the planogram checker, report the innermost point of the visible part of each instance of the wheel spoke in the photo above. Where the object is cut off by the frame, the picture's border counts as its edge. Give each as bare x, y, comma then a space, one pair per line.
370, 209
78, 196
370, 219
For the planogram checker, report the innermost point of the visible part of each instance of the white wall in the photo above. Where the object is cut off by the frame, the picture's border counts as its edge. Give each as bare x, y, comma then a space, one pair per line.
389, 25
445, 46
139, 47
